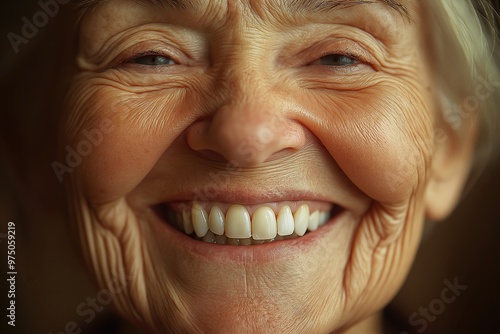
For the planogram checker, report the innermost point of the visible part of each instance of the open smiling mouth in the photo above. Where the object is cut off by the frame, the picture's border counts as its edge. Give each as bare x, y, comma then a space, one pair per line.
244, 225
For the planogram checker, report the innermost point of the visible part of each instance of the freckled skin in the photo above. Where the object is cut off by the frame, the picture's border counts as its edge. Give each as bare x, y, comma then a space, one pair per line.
360, 136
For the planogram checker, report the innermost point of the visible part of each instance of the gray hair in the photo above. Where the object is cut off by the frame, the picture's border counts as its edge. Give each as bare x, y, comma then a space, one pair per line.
465, 48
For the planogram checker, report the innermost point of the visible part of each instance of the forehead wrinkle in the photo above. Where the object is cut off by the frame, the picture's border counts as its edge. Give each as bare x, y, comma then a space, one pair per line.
85, 5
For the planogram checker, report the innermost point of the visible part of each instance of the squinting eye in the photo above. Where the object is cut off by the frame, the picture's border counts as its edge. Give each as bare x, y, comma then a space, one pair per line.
336, 60
153, 60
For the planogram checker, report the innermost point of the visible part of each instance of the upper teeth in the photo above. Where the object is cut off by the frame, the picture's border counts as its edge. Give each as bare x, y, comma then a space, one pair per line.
264, 224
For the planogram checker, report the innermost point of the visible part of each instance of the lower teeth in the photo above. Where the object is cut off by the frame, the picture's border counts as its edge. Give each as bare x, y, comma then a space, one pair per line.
213, 238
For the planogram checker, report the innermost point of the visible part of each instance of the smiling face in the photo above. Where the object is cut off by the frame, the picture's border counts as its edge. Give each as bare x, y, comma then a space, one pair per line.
265, 164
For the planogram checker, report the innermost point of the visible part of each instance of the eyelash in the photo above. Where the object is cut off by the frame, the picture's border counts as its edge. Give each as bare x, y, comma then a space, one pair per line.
356, 59
132, 60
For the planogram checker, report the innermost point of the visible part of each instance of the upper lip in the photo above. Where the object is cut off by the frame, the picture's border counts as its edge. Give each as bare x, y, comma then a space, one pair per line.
210, 184
251, 196
256, 197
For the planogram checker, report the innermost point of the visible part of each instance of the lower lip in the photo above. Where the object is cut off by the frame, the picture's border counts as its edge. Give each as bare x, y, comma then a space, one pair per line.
267, 252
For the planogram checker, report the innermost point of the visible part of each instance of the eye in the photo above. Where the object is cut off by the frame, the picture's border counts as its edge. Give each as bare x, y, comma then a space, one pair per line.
152, 60
337, 60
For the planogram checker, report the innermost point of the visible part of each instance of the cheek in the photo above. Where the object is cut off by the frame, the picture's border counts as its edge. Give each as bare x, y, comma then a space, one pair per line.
382, 143
140, 128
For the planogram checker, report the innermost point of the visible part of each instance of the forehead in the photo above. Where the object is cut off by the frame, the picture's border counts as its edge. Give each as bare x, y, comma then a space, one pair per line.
380, 15
401, 7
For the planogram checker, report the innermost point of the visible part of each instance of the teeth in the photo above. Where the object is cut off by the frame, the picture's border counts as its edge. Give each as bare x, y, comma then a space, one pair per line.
238, 222
187, 222
301, 217
199, 216
264, 224
209, 237
313, 221
216, 220
245, 242
285, 221
323, 218
220, 239
239, 242
233, 242
236, 227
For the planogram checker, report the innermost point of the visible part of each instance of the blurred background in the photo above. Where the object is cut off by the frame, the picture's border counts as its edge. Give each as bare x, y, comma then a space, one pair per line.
52, 281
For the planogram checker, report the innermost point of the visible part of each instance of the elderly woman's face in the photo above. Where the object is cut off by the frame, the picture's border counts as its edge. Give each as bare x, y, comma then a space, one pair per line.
235, 128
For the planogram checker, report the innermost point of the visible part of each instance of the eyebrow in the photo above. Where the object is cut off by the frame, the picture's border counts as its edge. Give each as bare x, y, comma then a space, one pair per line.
293, 5
172, 4
327, 5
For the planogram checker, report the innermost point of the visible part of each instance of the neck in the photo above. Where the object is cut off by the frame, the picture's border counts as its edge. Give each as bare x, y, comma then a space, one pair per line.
373, 325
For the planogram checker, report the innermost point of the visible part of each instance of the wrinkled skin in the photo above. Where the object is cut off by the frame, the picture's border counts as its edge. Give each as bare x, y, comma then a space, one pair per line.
359, 133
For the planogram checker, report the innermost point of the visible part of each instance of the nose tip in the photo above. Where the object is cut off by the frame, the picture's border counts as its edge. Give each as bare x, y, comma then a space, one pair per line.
246, 135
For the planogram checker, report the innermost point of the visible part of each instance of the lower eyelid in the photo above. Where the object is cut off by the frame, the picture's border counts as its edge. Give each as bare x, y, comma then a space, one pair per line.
353, 70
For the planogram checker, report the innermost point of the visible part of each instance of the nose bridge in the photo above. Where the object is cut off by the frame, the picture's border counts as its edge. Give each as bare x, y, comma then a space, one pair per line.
244, 75
250, 126
244, 82
242, 59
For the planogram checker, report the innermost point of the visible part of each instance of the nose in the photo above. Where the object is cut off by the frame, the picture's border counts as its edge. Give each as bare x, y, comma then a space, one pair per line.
248, 133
